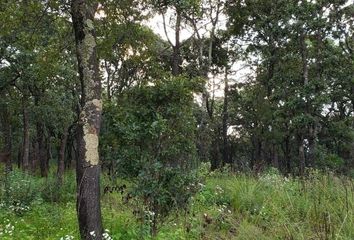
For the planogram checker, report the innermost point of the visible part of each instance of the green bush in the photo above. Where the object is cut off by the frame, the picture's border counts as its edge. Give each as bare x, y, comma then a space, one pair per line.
18, 191
149, 137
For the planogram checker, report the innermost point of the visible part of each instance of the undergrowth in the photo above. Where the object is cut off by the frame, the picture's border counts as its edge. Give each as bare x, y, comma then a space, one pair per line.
227, 206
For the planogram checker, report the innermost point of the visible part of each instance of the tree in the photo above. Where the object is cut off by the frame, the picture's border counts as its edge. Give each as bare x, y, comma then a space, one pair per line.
88, 168
291, 46
149, 136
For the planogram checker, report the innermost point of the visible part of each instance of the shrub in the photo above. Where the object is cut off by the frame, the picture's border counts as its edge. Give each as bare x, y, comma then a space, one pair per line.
149, 136
18, 191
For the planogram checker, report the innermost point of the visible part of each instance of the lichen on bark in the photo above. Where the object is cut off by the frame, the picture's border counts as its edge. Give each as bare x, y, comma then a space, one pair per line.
91, 145
90, 132
97, 103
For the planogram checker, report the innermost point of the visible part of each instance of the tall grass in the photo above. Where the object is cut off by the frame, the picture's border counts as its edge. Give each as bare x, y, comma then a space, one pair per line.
228, 206
274, 207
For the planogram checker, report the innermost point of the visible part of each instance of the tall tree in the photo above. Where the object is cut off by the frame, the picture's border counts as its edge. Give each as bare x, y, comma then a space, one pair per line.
88, 168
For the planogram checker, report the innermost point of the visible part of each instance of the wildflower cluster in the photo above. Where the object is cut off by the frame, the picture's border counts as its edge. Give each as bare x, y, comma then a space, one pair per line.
67, 237
264, 213
19, 208
106, 236
149, 216
273, 179
219, 190
224, 209
8, 229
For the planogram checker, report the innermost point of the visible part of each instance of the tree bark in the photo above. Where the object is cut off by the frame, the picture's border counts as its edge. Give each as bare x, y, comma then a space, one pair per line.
303, 50
302, 159
176, 55
42, 149
6, 125
275, 157
287, 154
61, 157
225, 116
34, 156
109, 80
88, 168
26, 140
305, 79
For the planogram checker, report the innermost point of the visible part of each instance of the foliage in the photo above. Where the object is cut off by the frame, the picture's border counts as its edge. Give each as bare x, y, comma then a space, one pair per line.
149, 135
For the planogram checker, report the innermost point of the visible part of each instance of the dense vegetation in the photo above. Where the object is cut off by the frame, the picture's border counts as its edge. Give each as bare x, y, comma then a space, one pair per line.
226, 206
227, 120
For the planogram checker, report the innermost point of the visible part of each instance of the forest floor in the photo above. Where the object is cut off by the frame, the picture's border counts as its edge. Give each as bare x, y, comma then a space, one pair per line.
228, 206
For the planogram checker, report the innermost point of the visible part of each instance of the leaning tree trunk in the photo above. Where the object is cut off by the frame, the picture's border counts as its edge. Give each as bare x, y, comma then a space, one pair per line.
88, 168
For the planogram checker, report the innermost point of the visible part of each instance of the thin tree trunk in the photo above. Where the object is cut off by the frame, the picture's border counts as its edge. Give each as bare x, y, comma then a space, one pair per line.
225, 120
275, 157
70, 152
88, 168
109, 80
215, 155
61, 157
176, 55
26, 140
312, 144
48, 152
6, 125
19, 156
32, 156
301, 152
303, 50
287, 155
42, 149
302, 159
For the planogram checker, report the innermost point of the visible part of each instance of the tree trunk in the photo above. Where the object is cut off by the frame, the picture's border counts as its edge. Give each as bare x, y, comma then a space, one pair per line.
88, 168
275, 157
287, 154
26, 140
176, 55
305, 72
313, 129
61, 157
71, 159
33, 155
301, 153
303, 50
216, 162
19, 156
42, 149
109, 80
6, 125
48, 152
225, 120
